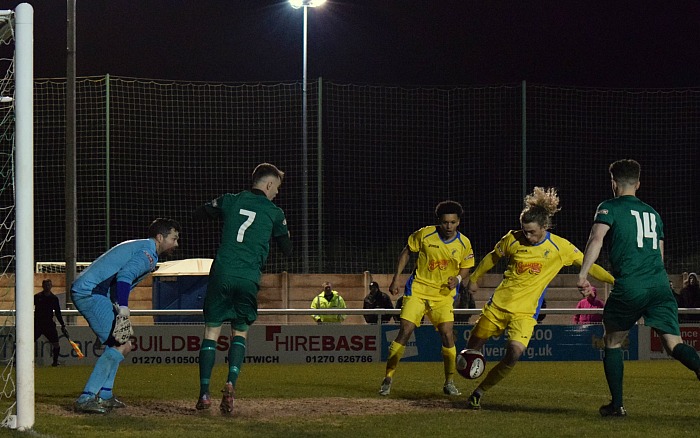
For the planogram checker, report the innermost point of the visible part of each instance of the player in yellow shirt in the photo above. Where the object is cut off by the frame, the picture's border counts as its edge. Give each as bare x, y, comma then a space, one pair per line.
535, 256
444, 258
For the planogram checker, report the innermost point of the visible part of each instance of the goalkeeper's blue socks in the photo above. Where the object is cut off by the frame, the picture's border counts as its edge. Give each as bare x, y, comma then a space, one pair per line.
236, 354
106, 390
105, 367
207, 357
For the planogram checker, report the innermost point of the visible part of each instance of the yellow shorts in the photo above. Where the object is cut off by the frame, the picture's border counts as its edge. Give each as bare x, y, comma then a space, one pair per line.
439, 311
493, 321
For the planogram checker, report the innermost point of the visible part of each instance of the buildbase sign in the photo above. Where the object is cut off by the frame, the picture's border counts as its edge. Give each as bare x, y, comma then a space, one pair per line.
265, 344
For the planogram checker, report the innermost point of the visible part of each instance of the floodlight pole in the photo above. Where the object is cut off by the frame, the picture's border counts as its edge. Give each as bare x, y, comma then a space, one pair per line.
305, 5
304, 154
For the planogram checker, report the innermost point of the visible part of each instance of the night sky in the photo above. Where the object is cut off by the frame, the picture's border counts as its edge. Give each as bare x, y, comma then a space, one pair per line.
580, 43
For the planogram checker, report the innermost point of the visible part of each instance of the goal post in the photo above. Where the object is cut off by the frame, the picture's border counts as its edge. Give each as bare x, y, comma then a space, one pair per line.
19, 25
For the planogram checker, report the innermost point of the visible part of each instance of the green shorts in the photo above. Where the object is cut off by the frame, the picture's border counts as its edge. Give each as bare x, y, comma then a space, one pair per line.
657, 305
231, 299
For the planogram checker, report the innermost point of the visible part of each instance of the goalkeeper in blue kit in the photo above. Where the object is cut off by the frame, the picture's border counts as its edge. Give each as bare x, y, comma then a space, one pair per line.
101, 295
641, 289
250, 220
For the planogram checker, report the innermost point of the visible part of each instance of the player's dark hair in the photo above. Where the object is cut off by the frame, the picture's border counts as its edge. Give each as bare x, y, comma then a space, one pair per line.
263, 170
625, 172
162, 226
540, 206
448, 207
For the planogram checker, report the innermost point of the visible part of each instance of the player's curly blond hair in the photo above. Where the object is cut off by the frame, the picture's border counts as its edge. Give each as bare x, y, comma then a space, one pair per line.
540, 207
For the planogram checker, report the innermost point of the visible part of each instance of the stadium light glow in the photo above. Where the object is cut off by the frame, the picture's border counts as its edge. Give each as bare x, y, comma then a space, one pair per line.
296, 4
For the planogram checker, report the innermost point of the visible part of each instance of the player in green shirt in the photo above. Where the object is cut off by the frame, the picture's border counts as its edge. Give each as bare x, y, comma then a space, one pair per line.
250, 221
641, 287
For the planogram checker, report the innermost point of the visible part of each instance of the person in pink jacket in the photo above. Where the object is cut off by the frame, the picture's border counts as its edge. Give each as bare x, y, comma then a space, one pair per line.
589, 301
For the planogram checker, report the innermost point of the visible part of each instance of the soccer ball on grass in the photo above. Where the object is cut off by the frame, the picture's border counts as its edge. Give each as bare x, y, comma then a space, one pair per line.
470, 363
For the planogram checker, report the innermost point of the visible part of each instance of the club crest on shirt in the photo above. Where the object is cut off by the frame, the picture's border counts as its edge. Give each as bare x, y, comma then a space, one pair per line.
150, 259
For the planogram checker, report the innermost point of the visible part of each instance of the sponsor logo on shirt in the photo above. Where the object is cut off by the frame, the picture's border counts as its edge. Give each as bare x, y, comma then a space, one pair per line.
602, 211
532, 267
438, 264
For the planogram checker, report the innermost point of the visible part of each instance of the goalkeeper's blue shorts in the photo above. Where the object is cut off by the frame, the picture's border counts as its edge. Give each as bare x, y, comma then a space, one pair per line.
98, 310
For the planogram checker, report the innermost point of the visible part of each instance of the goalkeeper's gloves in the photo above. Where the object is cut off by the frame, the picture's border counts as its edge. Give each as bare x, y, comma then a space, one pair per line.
123, 311
64, 331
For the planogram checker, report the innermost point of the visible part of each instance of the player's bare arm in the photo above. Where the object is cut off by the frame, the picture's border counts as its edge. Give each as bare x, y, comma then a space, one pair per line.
452, 282
592, 252
485, 265
404, 257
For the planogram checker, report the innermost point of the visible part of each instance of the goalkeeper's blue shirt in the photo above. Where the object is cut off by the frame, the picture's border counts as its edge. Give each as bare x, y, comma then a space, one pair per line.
128, 261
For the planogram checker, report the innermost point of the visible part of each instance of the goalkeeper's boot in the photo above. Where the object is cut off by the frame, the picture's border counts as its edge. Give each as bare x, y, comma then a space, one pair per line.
226, 406
89, 405
474, 401
612, 411
386, 387
450, 389
204, 402
112, 403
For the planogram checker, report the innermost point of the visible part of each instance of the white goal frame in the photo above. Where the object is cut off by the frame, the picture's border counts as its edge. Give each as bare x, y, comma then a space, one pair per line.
21, 22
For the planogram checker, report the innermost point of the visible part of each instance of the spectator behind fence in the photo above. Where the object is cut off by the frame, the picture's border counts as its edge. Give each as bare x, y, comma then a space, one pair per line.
689, 296
328, 299
464, 300
589, 301
377, 300
45, 306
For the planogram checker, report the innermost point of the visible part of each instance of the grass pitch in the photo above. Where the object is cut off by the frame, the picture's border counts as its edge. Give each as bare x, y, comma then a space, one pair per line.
555, 399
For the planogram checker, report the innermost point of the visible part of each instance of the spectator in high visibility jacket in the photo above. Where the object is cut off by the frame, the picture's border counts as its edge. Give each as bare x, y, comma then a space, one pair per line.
328, 299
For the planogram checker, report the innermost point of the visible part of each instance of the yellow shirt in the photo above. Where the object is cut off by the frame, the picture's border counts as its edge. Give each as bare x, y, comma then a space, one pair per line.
530, 269
437, 261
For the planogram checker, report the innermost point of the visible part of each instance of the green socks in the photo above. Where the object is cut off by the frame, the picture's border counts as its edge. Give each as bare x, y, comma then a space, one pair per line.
207, 357
686, 355
614, 369
236, 354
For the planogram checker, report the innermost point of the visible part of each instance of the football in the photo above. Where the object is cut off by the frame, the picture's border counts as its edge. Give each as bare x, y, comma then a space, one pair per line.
470, 363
